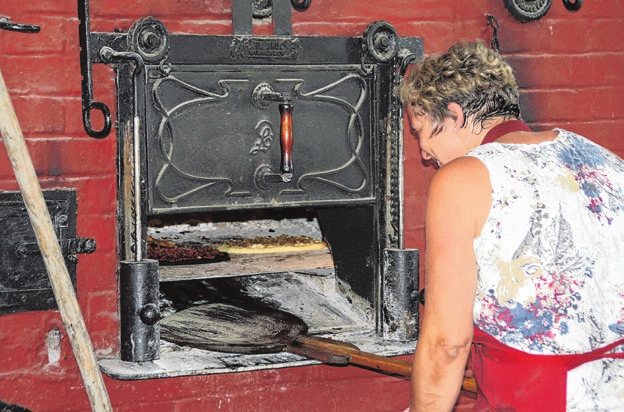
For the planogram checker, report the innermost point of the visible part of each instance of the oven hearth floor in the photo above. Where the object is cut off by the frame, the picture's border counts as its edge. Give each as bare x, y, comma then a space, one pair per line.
176, 361
303, 284
328, 309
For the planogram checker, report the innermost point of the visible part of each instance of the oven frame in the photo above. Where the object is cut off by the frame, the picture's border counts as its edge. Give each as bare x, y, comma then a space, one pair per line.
133, 65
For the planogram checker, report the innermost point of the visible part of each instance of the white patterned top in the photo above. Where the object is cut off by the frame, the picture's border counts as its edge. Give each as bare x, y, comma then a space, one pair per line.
551, 258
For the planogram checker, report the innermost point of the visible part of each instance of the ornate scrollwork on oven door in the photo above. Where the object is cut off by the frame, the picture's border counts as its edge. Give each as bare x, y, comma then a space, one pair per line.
216, 144
174, 156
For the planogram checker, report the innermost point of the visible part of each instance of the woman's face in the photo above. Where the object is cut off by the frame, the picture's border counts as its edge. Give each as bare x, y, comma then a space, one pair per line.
439, 149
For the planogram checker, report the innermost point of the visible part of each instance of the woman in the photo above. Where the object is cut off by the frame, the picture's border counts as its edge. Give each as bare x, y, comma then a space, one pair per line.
525, 248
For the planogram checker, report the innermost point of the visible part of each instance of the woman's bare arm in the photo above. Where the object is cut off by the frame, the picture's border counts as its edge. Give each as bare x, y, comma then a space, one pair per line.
458, 205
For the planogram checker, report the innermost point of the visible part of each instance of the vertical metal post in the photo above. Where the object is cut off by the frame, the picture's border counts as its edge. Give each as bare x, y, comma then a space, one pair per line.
282, 15
139, 312
242, 17
400, 294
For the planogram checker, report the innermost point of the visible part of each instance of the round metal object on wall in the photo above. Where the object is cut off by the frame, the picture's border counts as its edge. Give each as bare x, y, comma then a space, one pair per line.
527, 10
149, 38
381, 41
573, 5
301, 5
262, 8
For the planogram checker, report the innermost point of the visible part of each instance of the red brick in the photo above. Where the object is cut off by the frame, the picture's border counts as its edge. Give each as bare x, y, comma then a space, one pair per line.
589, 10
330, 29
162, 10
19, 9
56, 32
102, 229
73, 116
560, 71
568, 36
341, 11
200, 27
65, 158
568, 104
437, 36
40, 115
41, 75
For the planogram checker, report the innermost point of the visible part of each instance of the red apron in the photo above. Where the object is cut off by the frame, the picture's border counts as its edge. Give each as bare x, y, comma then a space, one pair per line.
511, 380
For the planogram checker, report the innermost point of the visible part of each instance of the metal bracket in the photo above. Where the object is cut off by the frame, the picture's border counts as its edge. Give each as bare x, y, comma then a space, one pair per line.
243, 11
7, 24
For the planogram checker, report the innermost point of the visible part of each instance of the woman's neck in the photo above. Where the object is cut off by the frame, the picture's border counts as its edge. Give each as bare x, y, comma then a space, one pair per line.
503, 128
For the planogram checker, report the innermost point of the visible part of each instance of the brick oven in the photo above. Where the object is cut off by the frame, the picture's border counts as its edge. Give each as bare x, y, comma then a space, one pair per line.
265, 138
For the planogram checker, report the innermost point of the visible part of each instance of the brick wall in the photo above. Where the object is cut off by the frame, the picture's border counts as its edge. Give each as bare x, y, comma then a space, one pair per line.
570, 69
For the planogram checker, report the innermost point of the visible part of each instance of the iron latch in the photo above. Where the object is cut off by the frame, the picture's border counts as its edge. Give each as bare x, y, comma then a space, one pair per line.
69, 248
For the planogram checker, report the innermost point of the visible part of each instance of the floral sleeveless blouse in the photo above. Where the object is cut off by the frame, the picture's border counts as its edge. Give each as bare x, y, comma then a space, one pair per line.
551, 258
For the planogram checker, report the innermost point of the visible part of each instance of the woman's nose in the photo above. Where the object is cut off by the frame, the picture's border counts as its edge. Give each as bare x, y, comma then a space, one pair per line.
425, 155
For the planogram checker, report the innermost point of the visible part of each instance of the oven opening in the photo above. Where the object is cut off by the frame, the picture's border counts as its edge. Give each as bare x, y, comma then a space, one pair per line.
270, 259
277, 259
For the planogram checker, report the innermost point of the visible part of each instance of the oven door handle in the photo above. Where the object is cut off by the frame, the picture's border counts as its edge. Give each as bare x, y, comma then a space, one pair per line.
286, 137
262, 97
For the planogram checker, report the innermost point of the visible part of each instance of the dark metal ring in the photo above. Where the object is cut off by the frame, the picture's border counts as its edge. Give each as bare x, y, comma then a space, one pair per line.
262, 8
380, 40
300, 5
528, 10
149, 38
573, 5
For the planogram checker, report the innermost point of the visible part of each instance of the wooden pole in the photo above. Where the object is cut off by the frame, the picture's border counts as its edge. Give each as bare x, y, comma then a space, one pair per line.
51, 252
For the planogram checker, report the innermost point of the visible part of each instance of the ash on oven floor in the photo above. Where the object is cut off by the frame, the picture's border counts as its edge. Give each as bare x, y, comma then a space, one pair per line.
325, 303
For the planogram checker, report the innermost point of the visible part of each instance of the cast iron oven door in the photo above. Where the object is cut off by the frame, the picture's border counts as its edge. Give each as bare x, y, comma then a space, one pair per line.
214, 142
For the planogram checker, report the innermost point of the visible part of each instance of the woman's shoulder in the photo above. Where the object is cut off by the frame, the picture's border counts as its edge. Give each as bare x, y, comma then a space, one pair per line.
462, 171
461, 165
462, 188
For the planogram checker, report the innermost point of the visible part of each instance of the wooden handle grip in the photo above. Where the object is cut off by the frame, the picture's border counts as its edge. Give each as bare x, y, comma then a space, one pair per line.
366, 359
286, 137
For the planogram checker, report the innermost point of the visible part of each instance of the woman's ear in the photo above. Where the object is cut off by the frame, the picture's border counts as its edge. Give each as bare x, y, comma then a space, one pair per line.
457, 113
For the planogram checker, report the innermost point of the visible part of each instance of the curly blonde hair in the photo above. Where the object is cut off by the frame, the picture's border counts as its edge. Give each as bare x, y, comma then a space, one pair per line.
469, 74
